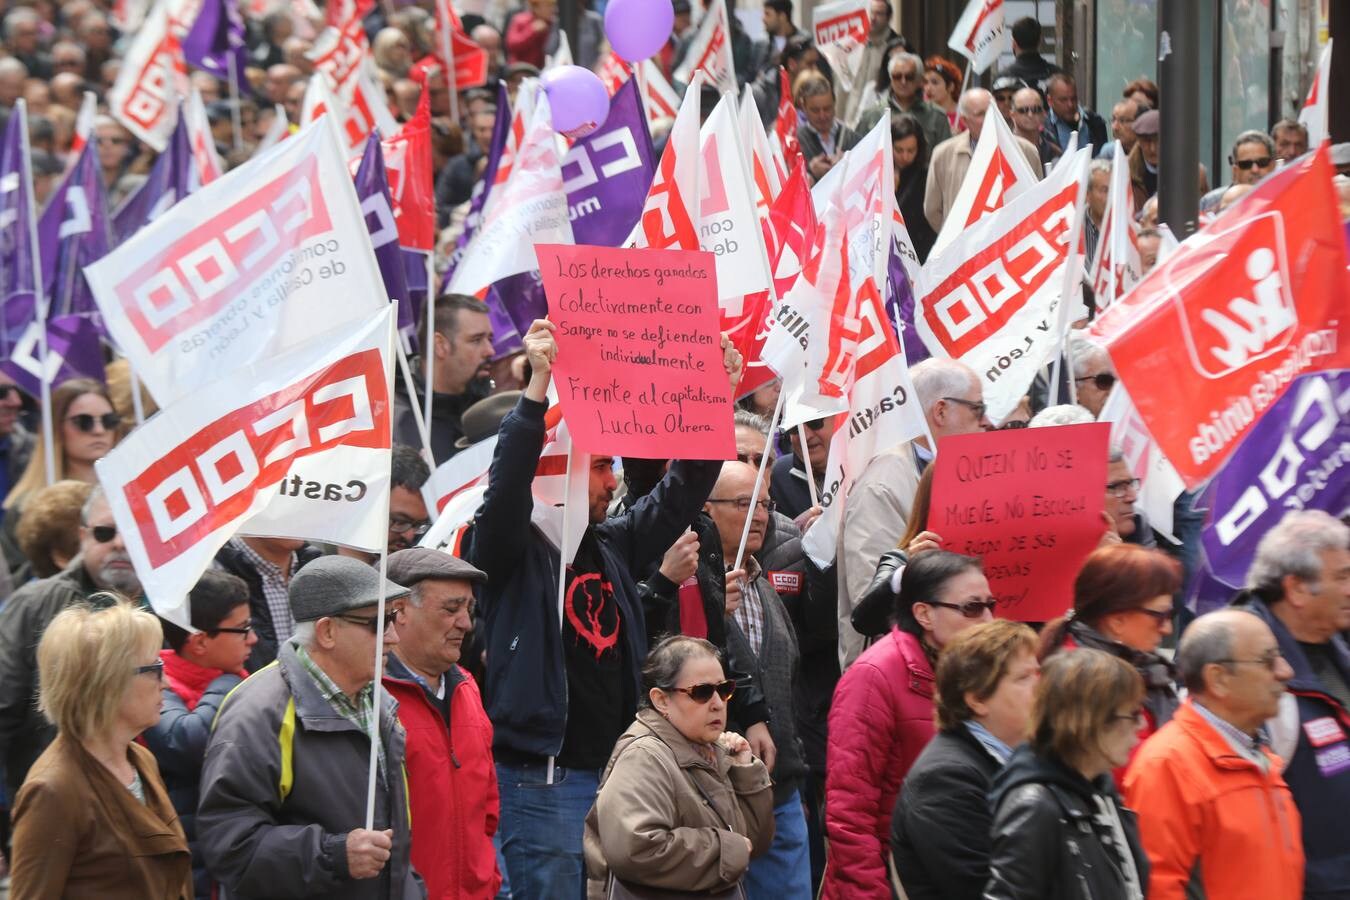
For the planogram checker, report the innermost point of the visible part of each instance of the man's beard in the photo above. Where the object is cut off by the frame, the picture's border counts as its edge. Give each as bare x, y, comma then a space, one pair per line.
124, 581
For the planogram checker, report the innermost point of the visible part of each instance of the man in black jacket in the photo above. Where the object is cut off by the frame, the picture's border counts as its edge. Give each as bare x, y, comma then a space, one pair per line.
1067, 118
562, 685
266, 565
1029, 65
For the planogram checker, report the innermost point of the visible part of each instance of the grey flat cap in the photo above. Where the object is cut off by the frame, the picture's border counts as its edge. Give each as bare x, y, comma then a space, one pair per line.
418, 563
332, 585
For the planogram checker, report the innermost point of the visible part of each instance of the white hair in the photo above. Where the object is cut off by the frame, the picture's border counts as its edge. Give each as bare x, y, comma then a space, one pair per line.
1295, 547
1099, 166
1083, 353
937, 378
912, 58
971, 95
1064, 414
304, 634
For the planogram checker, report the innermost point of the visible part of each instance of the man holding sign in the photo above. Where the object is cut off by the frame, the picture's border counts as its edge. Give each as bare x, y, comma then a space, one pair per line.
563, 684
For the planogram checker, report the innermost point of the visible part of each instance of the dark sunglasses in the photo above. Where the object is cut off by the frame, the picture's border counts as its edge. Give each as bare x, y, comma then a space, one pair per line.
1245, 164
85, 422
754, 459
242, 629
1013, 424
1158, 615
904, 76
390, 618
1029, 110
103, 533
6, 390
971, 609
156, 667
702, 693
1102, 381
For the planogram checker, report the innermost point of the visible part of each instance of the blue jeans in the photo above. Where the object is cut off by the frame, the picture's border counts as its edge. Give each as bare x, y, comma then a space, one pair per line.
784, 873
541, 827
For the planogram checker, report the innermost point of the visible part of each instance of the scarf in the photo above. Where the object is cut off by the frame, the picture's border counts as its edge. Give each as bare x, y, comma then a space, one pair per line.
187, 679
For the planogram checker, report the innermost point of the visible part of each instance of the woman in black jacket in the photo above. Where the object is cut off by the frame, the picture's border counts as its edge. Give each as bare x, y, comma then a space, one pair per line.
1060, 830
985, 684
909, 153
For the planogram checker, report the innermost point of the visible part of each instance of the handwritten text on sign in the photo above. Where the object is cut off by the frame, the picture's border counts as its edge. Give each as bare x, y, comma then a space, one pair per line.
1029, 503
639, 370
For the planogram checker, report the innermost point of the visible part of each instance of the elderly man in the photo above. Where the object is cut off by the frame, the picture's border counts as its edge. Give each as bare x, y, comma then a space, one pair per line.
881, 500
13, 74
1291, 139
1252, 159
1145, 157
1150, 242
103, 565
1299, 585
452, 783
1215, 817
1028, 123
283, 789
1098, 193
951, 158
23, 38
760, 633
1122, 492
1068, 118
1123, 115
1093, 374
906, 96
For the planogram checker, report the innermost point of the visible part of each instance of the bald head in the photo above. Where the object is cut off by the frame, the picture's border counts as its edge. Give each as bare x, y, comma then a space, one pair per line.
973, 105
731, 501
1230, 661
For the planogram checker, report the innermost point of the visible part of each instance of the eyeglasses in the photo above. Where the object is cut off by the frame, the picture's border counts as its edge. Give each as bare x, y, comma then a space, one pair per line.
743, 503
753, 459
1030, 110
1269, 660
1138, 717
1102, 381
1122, 488
1245, 164
903, 76
157, 667
1013, 424
246, 628
116, 141
391, 618
1158, 615
103, 533
85, 422
815, 424
400, 524
702, 693
977, 408
971, 609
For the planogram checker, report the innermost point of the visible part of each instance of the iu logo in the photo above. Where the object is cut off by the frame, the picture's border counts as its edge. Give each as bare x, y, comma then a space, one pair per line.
1240, 310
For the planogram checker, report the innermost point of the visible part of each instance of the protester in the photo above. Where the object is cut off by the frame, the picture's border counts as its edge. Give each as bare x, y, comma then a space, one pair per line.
823, 138
451, 782
1060, 829
880, 39
1093, 374
558, 706
881, 500
941, 86
49, 535
454, 184
84, 429
882, 716
1122, 605
1253, 157
1122, 491
798, 55
1149, 242
683, 804
1003, 89
462, 345
905, 74
778, 30
408, 517
1068, 118
200, 669
909, 152
283, 787
93, 818
1028, 123
16, 442
1299, 586
1028, 64
873, 616
102, 565
1145, 157
1123, 115
984, 687
1291, 139
266, 565
760, 633
1097, 195
1215, 816
951, 158
789, 487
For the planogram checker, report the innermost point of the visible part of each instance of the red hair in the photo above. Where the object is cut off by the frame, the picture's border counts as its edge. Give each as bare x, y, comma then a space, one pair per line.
1114, 578
947, 69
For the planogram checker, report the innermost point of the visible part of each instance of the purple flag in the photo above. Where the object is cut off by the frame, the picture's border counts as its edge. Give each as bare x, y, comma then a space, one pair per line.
521, 297
1293, 459
74, 232
501, 127
608, 172
216, 36
173, 177
17, 287
900, 306
73, 351
372, 188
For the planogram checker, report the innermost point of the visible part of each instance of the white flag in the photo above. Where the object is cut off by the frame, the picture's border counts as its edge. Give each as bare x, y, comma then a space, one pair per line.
710, 52
1316, 109
152, 79
1160, 485
356, 118
998, 173
1116, 267
728, 224
979, 34
182, 484
660, 98
250, 265
206, 161
670, 215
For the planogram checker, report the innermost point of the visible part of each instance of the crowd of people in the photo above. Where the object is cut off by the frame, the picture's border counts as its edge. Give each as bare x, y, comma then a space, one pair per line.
697, 712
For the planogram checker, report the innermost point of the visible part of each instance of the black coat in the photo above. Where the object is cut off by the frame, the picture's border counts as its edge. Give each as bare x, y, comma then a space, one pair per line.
228, 559
1048, 840
940, 828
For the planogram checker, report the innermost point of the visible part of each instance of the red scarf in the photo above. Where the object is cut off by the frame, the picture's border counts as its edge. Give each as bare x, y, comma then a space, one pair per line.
187, 679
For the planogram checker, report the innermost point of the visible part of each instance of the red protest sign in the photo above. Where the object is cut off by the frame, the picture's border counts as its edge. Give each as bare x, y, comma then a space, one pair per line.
1029, 503
1216, 334
639, 370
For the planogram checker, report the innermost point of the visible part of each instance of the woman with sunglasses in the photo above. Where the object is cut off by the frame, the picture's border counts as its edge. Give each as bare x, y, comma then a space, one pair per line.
1122, 605
882, 717
1060, 829
93, 818
683, 804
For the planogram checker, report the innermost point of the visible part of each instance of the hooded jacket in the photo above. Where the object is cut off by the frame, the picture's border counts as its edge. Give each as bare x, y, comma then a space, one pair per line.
1051, 839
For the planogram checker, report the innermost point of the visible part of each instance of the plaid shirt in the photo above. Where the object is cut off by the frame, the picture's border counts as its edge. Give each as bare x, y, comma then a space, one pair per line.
1245, 744
750, 614
359, 713
274, 587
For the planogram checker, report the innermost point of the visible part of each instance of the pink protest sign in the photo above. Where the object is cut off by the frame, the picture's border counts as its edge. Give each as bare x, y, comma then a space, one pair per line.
1029, 503
639, 370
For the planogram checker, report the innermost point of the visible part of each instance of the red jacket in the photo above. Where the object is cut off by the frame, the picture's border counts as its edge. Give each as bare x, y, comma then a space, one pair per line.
523, 42
452, 786
880, 720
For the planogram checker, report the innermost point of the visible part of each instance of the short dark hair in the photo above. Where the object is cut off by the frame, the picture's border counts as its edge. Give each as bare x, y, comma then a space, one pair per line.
448, 307
667, 658
923, 580
795, 48
407, 469
904, 125
211, 600
782, 7
975, 662
1026, 33
1059, 78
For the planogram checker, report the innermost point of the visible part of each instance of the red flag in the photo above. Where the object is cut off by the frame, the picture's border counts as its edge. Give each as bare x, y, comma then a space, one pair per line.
1215, 334
785, 128
407, 160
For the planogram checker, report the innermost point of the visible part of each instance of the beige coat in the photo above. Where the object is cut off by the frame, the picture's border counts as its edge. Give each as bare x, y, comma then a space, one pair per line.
651, 826
948, 168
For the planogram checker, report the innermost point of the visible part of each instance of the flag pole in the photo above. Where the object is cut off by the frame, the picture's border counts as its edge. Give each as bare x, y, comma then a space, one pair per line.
137, 404
759, 478
236, 120
429, 348
806, 464
563, 540
39, 295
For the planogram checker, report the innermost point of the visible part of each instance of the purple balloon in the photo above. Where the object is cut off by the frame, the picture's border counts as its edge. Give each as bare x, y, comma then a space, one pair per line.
578, 100
637, 29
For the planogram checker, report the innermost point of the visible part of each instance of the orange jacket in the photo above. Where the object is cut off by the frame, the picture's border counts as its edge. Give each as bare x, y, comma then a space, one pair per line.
1204, 810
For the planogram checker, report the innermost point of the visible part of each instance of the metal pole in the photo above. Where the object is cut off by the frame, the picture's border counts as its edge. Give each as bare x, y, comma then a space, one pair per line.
1179, 85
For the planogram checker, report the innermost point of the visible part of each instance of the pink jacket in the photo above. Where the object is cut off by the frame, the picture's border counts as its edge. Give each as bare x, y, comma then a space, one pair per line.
880, 720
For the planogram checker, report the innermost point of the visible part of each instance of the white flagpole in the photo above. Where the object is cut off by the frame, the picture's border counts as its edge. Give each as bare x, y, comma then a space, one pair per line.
236, 122
137, 404
759, 478
806, 464
563, 540
416, 408
429, 351
39, 295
